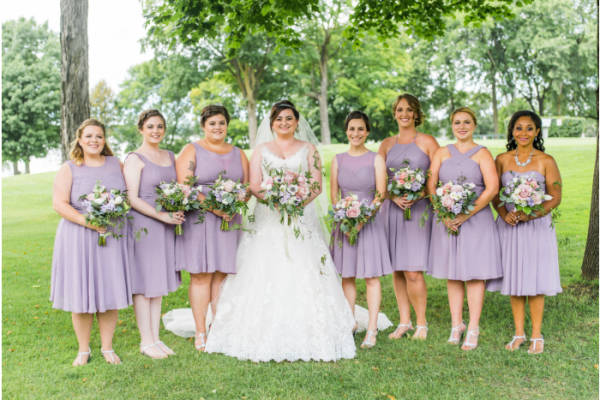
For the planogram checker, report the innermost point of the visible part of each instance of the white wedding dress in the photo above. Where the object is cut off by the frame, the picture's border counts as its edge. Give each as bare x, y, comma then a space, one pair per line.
281, 307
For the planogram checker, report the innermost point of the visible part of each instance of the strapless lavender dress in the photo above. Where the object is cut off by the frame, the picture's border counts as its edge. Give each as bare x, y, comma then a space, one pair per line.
152, 259
368, 258
529, 253
86, 277
205, 248
475, 252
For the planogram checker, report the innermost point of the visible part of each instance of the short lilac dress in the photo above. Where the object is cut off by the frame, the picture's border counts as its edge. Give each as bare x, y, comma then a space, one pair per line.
205, 248
369, 257
529, 253
407, 240
475, 252
152, 258
86, 277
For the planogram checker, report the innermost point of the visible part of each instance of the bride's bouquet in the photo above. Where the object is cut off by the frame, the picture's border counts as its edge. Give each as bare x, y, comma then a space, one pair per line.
348, 213
176, 196
525, 193
287, 191
106, 208
407, 182
228, 196
453, 198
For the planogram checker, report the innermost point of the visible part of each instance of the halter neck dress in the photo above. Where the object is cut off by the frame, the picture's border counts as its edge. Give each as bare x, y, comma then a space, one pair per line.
475, 252
152, 258
529, 252
408, 242
368, 258
86, 277
205, 248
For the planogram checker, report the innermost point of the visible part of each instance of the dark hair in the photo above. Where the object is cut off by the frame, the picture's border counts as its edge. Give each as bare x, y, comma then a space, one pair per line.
211, 111
146, 115
279, 107
357, 115
414, 103
538, 142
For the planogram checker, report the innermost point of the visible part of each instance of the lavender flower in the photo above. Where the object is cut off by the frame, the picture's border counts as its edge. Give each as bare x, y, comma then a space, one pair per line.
530, 202
456, 208
416, 186
164, 186
107, 207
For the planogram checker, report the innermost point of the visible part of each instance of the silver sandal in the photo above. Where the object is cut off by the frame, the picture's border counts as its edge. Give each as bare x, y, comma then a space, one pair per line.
156, 357
454, 340
85, 353
534, 343
512, 342
111, 352
405, 333
472, 346
202, 336
426, 327
366, 342
161, 342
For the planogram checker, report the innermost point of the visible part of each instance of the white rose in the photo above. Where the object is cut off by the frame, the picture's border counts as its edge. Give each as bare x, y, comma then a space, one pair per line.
419, 177
407, 185
339, 205
269, 186
118, 200
455, 196
439, 191
99, 200
238, 186
263, 186
355, 197
111, 202
185, 201
515, 180
547, 197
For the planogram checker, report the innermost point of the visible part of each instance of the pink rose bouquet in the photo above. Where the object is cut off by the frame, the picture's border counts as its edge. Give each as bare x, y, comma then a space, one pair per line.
348, 213
228, 196
409, 182
525, 193
453, 198
176, 196
106, 208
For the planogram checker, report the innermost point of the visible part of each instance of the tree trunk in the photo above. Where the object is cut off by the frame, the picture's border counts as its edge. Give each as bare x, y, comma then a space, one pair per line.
252, 125
16, 167
495, 104
323, 109
589, 266
26, 161
74, 71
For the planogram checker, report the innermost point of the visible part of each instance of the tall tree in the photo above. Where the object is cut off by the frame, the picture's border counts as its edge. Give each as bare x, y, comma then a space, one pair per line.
74, 85
102, 104
30, 91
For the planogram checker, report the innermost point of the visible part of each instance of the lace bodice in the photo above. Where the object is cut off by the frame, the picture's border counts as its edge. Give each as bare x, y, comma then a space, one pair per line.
297, 161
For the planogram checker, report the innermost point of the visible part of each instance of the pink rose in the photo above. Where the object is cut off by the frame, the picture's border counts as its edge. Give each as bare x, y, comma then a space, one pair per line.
186, 190
447, 201
104, 195
457, 188
534, 184
353, 212
303, 191
90, 197
269, 181
525, 191
402, 175
447, 188
537, 198
301, 179
228, 186
290, 177
241, 195
355, 204
401, 181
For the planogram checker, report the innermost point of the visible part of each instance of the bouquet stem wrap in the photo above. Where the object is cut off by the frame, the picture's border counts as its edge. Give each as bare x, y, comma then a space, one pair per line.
178, 230
102, 239
225, 225
407, 214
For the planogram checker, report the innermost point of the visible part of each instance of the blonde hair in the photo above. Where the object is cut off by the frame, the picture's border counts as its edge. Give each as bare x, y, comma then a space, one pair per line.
414, 103
76, 152
465, 110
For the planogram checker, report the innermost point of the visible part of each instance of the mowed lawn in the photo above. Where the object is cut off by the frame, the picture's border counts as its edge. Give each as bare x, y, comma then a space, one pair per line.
39, 343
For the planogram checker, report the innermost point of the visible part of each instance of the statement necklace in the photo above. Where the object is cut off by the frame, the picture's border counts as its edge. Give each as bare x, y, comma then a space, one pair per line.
526, 162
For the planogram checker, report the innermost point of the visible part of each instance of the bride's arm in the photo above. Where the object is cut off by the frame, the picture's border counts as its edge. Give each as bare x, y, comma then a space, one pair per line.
316, 170
256, 177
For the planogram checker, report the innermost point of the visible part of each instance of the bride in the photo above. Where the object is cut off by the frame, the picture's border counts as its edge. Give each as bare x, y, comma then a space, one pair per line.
286, 302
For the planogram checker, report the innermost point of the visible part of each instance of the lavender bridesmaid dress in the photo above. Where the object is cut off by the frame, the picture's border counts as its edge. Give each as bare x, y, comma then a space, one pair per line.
152, 258
86, 277
529, 253
407, 240
475, 252
368, 258
205, 248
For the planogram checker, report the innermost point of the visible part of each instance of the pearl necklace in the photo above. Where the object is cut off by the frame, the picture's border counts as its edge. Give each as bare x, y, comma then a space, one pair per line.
526, 162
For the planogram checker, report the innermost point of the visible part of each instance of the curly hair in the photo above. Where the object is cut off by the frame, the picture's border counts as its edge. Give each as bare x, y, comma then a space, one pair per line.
357, 115
211, 111
414, 103
146, 115
538, 142
76, 152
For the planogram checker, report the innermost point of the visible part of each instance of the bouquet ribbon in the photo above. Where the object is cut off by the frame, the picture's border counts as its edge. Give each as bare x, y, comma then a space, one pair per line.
287, 220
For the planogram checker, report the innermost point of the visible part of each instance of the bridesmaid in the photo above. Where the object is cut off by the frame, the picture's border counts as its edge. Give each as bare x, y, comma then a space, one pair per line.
152, 259
204, 250
361, 172
408, 241
528, 243
474, 255
88, 279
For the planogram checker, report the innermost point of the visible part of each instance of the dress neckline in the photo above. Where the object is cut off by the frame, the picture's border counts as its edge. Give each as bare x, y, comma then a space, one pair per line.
286, 159
155, 164
215, 153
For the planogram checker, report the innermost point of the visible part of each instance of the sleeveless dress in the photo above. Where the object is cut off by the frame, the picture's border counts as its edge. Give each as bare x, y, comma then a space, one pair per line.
408, 242
86, 277
368, 258
152, 258
529, 253
279, 307
475, 252
205, 248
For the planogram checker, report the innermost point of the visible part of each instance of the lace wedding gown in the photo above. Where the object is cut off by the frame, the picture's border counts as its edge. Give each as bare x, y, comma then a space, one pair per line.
279, 307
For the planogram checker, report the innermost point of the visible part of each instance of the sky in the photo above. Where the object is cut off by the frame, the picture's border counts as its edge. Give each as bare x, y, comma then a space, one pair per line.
115, 28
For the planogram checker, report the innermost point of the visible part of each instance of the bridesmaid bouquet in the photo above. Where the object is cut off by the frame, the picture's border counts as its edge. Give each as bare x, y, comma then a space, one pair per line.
451, 199
286, 191
525, 193
176, 196
348, 213
228, 196
408, 182
106, 208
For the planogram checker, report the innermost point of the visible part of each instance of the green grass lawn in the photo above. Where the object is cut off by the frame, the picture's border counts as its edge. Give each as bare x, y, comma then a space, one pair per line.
39, 343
